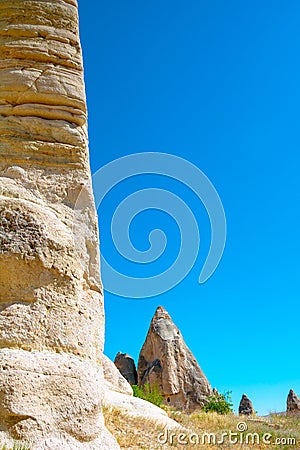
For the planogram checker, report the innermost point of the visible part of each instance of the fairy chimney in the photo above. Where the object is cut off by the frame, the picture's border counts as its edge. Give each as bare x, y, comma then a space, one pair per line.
51, 301
165, 361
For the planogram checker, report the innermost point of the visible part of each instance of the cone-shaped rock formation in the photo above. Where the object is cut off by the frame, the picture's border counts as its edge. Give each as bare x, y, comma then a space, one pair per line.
245, 406
293, 404
165, 361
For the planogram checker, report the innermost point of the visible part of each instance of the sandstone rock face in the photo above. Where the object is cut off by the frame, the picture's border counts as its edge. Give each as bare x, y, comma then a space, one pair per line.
293, 404
246, 407
126, 366
166, 361
51, 302
113, 380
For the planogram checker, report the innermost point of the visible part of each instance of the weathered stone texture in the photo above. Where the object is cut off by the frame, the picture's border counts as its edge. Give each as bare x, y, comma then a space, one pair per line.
126, 365
246, 406
118, 395
113, 379
51, 302
293, 404
165, 361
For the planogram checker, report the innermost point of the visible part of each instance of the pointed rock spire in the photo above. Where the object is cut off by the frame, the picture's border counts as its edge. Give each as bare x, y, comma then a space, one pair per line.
165, 361
246, 406
293, 404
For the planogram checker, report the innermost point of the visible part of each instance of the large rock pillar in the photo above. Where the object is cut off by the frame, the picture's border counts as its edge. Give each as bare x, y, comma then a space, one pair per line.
51, 302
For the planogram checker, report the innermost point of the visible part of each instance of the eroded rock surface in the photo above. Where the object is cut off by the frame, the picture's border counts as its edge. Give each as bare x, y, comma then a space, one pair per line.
51, 302
136, 407
165, 361
113, 379
126, 365
118, 396
293, 404
246, 406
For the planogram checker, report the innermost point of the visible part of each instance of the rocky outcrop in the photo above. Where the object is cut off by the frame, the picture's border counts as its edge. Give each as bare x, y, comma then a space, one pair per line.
113, 380
165, 361
293, 404
246, 407
51, 302
118, 396
136, 407
126, 366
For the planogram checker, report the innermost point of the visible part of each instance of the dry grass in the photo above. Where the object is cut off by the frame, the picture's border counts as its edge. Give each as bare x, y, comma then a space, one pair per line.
16, 446
140, 434
137, 433
132, 433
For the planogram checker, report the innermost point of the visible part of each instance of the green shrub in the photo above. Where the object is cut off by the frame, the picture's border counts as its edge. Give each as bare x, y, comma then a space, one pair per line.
220, 403
137, 391
146, 393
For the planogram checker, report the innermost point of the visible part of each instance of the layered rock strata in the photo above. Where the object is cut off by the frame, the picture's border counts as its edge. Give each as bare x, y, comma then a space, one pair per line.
51, 302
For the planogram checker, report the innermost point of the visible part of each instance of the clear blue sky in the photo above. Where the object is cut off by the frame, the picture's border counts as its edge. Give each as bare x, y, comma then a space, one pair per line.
217, 83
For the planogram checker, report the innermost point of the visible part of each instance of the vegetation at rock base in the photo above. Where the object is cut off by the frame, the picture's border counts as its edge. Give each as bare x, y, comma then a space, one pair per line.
152, 395
219, 403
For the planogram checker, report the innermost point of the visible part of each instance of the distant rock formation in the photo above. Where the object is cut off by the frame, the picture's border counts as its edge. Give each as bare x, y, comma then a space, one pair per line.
215, 392
246, 406
293, 404
126, 365
165, 361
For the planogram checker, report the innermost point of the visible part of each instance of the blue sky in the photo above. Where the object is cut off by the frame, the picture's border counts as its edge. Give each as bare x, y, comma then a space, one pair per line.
216, 83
